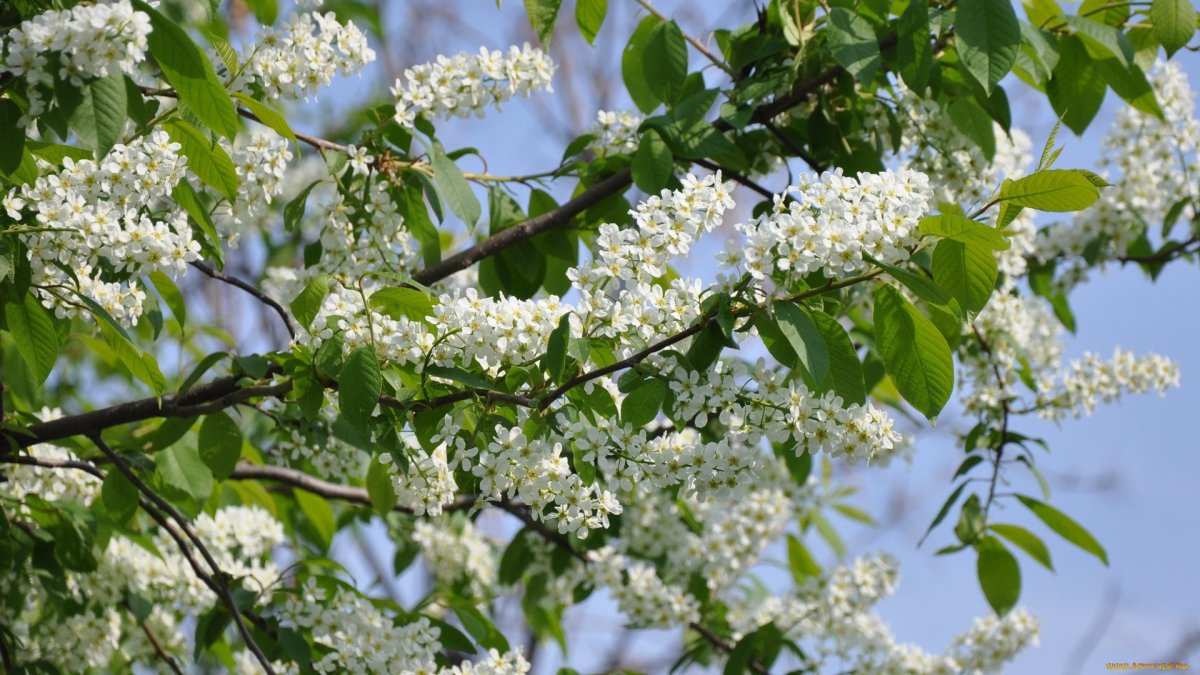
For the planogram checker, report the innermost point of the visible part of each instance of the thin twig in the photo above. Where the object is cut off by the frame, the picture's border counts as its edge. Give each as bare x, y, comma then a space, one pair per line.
716, 60
303, 481
555, 218
251, 289
218, 576
162, 653
740, 178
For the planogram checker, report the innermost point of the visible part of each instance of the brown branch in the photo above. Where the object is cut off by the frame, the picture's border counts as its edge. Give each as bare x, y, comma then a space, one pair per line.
303, 481
555, 218
162, 653
791, 147
744, 180
251, 289
217, 580
688, 332
200, 399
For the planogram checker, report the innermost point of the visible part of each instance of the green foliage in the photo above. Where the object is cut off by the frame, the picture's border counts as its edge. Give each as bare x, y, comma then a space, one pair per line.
987, 37
589, 16
186, 68
915, 354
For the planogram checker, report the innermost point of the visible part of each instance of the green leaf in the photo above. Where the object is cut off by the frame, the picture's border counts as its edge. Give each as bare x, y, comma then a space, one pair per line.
589, 15
914, 53
652, 163
1104, 41
804, 338
171, 295
359, 386
33, 333
800, 561
1066, 527
402, 301
853, 43
1076, 88
453, 187
308, 302
220, 444
120, 497
975, 123
914, 353
542, 15
99, 119
959, 228
967, 271
265, 11
319, 514
12, 136
479, 626
999, 575
665, 61
186, 68
210, 241
944, 511
987, 36
1026, 541
641, 404
555, 359
181, 467
632, 71
210, 163
140, 365
1056, 190
515, 559
921, 286
380, 488
1174, 23
270, 117
845, 370
1130, 83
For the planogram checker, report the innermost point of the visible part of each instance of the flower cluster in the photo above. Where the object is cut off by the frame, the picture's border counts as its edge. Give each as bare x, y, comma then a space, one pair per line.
831, 619
104, 632
462, 556
303, 55
94, 215
834, 221
1023, 337
1155, 162
959, 173
615, 133
640, 593
462, 85
88, 41
260, 165
665, 225
536, 471
361, 639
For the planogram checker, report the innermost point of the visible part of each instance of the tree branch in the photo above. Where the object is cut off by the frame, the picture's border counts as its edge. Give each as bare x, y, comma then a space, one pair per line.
217, 580
201, 399
252, 290
558, 217
303, 481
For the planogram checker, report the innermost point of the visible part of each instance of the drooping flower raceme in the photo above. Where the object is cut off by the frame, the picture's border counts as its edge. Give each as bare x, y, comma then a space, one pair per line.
296, 59
615, 133
84, 42
833, 222
91, 215
464, 85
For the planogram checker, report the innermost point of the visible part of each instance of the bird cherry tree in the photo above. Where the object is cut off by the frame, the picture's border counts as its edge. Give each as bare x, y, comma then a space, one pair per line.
509, 374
